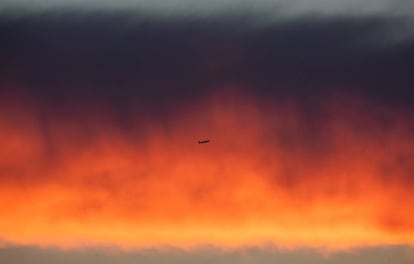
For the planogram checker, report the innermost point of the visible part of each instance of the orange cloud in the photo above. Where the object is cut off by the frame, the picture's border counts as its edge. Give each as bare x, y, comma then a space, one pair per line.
336, 175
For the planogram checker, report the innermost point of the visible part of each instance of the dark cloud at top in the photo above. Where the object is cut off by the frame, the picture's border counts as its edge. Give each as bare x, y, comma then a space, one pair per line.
125, 58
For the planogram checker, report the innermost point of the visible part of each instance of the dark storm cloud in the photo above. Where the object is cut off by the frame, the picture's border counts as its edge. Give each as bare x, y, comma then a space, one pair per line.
125, 58
127, 64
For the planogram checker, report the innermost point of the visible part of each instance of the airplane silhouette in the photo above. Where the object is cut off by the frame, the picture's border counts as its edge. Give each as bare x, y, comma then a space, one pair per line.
203, 141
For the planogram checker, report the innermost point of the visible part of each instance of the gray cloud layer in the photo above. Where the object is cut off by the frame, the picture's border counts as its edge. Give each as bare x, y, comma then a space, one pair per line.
18, 255
272, 7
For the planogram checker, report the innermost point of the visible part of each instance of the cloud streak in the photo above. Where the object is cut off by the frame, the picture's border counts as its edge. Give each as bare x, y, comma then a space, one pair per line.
271, 173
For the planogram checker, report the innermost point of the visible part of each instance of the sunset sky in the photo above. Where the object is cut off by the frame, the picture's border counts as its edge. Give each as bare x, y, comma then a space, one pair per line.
309, 106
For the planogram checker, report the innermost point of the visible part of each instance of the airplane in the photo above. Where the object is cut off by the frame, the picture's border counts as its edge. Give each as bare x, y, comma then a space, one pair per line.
203, 141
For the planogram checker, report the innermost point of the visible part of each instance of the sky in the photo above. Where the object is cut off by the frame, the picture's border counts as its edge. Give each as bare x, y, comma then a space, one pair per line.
308, 106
